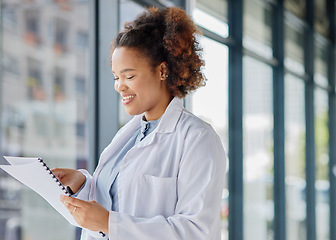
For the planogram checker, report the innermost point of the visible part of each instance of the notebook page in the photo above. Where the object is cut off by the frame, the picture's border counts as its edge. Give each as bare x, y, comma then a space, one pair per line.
19, 160
35, 176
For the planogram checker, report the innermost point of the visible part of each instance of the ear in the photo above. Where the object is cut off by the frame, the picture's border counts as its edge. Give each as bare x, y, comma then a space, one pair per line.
163, 71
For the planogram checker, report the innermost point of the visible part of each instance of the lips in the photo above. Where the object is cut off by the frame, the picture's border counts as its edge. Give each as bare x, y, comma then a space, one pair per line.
127, 98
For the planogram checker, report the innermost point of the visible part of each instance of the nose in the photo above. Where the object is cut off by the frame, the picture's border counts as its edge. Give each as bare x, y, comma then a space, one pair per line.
120, 86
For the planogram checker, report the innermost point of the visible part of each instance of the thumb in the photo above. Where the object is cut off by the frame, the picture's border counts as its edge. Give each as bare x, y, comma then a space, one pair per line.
73, 201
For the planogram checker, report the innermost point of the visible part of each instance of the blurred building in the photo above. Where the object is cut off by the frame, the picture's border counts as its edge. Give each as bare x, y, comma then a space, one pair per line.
45, 73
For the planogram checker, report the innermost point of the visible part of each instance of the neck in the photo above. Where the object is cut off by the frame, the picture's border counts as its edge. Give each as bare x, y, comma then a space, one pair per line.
160, 109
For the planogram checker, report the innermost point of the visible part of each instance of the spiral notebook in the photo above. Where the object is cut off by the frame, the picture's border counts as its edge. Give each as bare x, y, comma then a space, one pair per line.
35, 174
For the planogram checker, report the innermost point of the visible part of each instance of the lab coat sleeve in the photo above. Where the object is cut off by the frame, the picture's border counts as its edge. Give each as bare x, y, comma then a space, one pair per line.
199, 188
83, 194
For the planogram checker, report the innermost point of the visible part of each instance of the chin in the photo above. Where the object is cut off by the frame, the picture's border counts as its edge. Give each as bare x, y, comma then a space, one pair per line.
132, 112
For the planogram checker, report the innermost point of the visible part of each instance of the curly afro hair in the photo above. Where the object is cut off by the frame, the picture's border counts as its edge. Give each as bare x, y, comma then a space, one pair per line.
168, 35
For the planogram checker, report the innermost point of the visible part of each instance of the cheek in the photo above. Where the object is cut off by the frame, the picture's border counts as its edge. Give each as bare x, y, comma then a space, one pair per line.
139, 87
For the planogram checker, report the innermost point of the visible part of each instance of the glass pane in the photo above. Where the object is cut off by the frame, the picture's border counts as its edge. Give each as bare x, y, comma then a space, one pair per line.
295, 158
321, 66
258, 28
44, 110
294, 52
216, 8
321, 23
322, 164
211, 104
128, 12
258, 150
298, 7
169, 3
212, 15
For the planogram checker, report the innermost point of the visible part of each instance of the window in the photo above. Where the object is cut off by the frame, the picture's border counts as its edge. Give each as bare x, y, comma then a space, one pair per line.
128, 11
322, 164
37, 118
32, 27
211, 104
212, 15
82, 39
10, 64
216, 8
61, 35
59, 84
321, 22
32, 21
294, 52
297, 7
258, 150
295, 158
320, 63
80, 129
34, 80
9, 18
258, 28
80, 85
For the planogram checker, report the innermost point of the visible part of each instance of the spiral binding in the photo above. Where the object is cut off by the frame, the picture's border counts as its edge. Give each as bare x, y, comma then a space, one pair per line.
67, 191
54, 177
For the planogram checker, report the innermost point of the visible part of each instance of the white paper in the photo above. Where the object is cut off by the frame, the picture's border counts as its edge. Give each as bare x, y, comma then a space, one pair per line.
33, 174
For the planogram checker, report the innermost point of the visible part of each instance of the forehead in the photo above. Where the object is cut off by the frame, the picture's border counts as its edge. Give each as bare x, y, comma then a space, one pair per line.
128, 57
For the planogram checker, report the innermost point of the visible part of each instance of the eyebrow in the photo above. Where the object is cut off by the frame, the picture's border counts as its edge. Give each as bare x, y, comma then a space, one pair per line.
126, 70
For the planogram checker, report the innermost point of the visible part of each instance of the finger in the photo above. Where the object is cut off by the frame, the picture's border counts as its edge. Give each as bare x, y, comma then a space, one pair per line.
59, 173
63, 177
72, 209
73, 201
56, 169
69, 207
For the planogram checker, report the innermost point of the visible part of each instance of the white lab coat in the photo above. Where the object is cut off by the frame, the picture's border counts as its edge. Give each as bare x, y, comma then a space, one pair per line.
170, 184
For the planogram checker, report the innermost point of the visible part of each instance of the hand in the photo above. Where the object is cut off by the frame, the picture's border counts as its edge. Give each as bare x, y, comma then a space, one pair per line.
70, 177
88, 214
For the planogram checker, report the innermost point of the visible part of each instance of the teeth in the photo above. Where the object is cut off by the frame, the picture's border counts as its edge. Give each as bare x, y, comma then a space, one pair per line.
128, 97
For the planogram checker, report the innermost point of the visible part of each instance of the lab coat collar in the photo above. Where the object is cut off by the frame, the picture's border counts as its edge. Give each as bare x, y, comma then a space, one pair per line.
167, 123
170, 116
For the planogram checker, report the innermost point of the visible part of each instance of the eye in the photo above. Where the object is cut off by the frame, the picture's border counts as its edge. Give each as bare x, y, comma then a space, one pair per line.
115, 78
131, 77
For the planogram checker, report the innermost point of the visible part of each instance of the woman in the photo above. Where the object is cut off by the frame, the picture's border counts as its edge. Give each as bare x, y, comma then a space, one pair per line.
162, 175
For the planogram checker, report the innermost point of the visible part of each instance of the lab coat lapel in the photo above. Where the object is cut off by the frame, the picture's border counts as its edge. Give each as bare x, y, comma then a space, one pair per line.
167, 124
122, 136
171, 116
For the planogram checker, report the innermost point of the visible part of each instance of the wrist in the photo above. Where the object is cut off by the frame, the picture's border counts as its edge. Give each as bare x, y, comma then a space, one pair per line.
105, 225
80, 182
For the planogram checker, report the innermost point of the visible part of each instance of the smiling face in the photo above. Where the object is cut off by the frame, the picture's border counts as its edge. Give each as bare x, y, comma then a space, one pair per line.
142, 88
